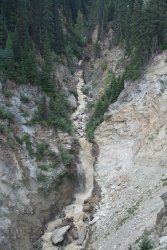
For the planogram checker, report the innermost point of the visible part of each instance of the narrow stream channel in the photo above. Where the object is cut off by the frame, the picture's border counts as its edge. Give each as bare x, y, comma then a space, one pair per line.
85, 172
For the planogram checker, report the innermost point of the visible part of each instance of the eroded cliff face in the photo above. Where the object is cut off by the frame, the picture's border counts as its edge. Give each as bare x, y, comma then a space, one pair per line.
35, 181
131, 166
98, 65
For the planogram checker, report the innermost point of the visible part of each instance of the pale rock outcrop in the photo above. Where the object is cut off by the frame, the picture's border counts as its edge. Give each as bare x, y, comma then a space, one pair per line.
132, 162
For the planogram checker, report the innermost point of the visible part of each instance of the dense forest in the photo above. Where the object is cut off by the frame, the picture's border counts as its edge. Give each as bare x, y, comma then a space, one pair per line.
140, 27
35, 34
32, 28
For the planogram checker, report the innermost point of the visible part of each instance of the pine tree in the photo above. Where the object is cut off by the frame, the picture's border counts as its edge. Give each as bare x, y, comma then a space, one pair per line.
58, 38
3, 30
46, 79
10, 63
80, 30
29, 63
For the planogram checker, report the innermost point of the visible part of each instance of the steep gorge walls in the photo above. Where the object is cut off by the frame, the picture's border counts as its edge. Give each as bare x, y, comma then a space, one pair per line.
76, 219
38, 161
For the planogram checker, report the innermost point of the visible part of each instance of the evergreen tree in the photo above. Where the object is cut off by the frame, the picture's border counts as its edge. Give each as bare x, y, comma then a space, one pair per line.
3, 30
80, 30
10, 63
46, 79
58, 38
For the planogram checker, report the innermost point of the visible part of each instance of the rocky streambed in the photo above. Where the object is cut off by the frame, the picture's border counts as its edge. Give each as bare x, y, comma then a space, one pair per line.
71, 231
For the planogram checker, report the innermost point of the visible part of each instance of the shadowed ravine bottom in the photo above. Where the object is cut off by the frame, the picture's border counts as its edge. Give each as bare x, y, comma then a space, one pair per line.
74, 212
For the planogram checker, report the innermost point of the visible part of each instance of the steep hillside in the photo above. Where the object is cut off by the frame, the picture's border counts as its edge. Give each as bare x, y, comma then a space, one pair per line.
131, 166
83, 103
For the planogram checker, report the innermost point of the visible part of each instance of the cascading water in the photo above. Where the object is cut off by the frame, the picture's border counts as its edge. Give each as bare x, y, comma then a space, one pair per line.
85, 174
81, 178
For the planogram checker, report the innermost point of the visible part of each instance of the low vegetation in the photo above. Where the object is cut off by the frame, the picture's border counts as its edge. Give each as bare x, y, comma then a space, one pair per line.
46, 172
55, 113
7, 93
48, 163
66, 157
29, 145
6, 115
145, 243
2, 129
24, 99
113, 88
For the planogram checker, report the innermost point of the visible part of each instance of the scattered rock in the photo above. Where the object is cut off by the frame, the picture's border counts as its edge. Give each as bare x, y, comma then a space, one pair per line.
90, 203
87, 208
72, 101
81, 235
74, 232
94, 221
58, 234
53, 225
163, 240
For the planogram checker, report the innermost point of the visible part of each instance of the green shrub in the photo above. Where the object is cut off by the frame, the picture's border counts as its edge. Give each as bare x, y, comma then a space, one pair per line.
60, 180
86, 91
97, 49
163, 46
6, 115
104, 66
132, 72
7, 93
18, 139
24, 99
43, 167
2, 129
145, 244
55, 114
44, 153
59, 113
27, 139
42, 178
41, 151
74, 92
25, 114
66, 157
